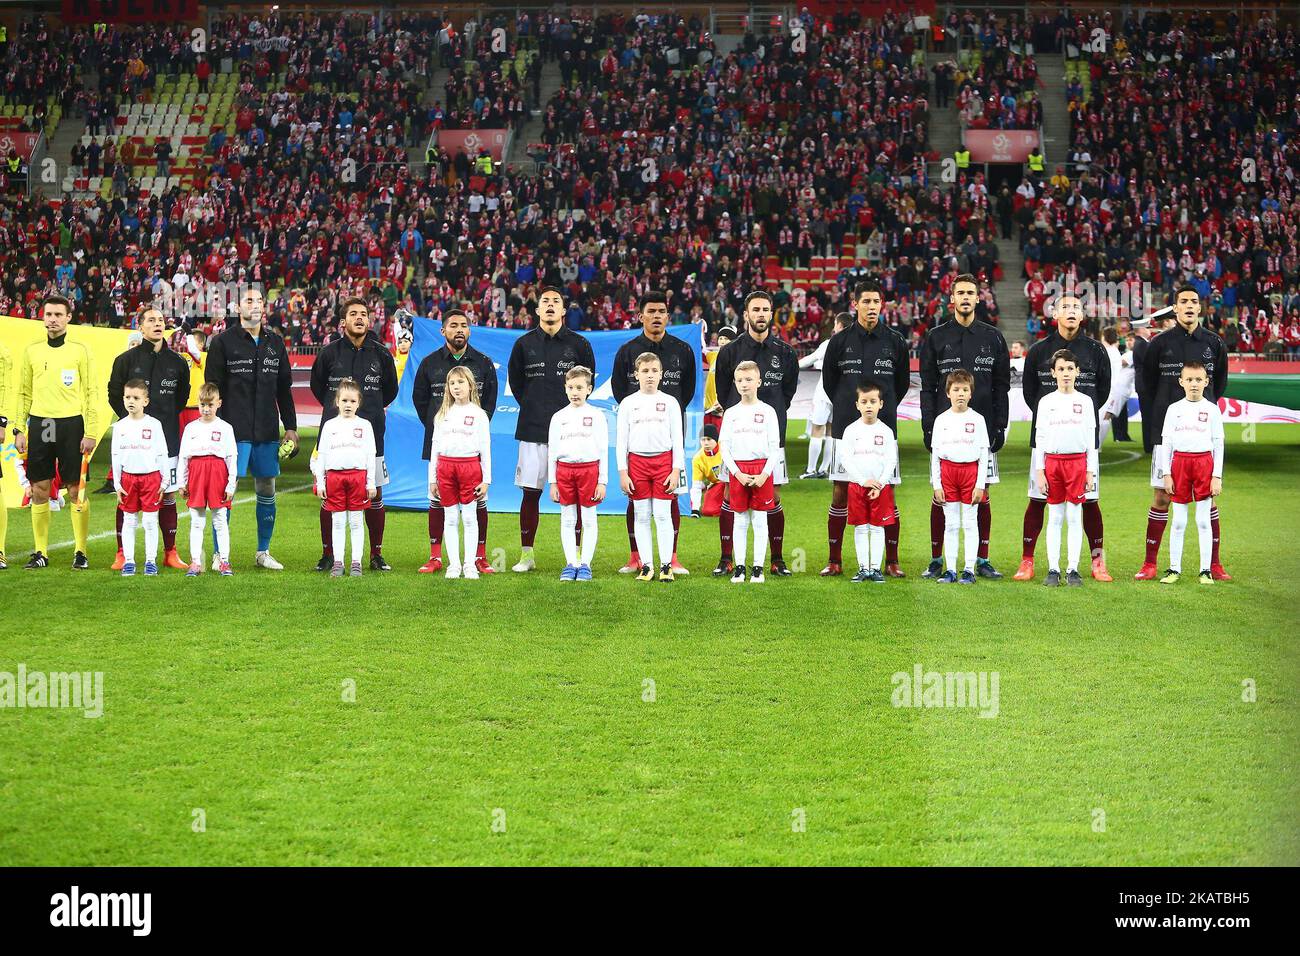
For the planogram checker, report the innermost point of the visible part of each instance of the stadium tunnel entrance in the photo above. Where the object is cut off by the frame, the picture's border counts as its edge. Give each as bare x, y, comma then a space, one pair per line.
997, 175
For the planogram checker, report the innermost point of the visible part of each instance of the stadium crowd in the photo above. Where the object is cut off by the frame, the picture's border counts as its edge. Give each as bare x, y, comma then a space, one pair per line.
771, 153
1184, 157
662, 163
737, 159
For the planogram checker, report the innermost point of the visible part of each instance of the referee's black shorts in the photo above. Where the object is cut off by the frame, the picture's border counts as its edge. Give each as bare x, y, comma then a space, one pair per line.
55, 443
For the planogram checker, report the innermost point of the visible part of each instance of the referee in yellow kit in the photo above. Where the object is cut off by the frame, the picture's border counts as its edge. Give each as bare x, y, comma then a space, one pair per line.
56, 401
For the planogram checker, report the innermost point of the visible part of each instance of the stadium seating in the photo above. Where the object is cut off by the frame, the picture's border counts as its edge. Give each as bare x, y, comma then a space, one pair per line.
601, 111
832, 143
1170, 113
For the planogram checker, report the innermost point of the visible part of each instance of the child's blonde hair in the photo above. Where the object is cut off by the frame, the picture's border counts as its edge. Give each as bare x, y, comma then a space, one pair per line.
580, 371
459, 371
747, 366
351, 385
208, 391
645, 358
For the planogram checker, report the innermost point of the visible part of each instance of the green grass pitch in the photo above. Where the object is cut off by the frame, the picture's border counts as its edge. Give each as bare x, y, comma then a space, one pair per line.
516, 720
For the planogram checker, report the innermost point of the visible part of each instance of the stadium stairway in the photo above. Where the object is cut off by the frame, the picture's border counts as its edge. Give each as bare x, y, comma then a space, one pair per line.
1012, 303
60, 150
727, 43
60, 145
945, 128
531, 131
1056, 117
435, 91
945, 136
1013, 307
174, 110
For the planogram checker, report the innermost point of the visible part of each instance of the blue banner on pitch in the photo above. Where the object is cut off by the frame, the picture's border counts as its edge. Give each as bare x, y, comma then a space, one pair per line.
409, 474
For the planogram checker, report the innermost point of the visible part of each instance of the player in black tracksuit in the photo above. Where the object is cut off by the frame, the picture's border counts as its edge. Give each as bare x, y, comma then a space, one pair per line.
169, 385
1140, 346
778, 369
538, 363
431, 384
249, 364
1093, 363
1162, 365
370, 365
168, 376
865, 351
256, 383
427, 395
979, 348
680, 374
677, 358
360, 356
1187, 341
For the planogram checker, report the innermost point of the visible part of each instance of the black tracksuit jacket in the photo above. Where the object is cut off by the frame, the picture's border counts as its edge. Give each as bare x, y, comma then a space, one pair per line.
256, 383
535, 373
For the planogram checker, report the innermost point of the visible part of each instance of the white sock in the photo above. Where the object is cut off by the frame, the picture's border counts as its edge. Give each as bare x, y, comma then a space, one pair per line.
589, 534
1055, 518
339, 535
828, 451
221, 525
1103, 432
150, 521
970, 533
814, 452
469, 518
569, 533
357, 527
642, 531
451, 535
128, 537
663, 518
198, 524
951, 533
216, 545
862, 546
740, 528
875, 546
1204, 532
758, 521
1074, 521
1177, 528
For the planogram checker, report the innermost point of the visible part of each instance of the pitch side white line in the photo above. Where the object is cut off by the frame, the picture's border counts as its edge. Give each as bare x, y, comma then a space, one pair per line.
182, 514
